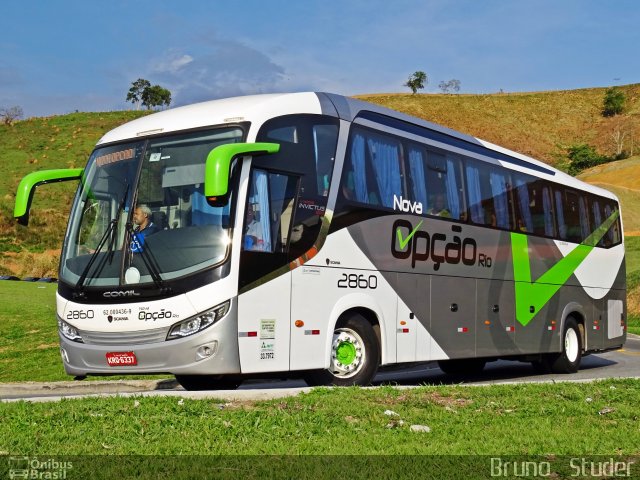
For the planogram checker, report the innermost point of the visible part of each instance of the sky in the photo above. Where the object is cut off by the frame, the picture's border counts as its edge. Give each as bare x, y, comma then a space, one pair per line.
61, 56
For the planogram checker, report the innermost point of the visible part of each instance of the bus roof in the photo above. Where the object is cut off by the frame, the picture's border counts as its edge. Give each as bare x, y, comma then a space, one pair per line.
259, 108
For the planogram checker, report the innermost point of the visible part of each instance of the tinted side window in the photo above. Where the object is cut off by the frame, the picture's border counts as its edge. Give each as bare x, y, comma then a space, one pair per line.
373, 170
559, 208
488, 190
575, 217
613, 236
435, 180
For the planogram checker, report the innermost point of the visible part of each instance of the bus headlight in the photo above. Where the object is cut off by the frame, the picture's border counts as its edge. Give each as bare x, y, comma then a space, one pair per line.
199, 322
68, 331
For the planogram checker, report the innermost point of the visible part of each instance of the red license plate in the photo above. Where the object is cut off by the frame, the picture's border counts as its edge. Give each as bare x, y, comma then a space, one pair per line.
121, 359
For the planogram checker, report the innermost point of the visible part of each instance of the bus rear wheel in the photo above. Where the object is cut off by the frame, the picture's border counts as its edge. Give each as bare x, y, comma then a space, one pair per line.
355, 355
208, 382
568, 360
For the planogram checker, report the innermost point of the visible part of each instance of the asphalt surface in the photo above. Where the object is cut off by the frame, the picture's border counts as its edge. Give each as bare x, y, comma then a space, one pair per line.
623, 363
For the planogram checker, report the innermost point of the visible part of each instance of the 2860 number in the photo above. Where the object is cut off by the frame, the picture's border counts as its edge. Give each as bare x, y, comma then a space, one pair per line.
358, 281
79, 315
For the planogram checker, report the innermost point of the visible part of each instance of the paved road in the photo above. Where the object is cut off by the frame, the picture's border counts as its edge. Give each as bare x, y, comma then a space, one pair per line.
624, 363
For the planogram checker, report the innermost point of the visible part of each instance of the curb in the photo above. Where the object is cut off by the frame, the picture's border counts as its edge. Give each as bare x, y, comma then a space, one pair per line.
65, 388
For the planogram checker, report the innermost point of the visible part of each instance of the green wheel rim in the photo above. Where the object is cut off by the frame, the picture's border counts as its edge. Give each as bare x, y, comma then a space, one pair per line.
348, 353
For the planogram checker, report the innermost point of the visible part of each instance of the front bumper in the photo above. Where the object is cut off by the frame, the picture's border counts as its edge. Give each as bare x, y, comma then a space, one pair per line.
174, 356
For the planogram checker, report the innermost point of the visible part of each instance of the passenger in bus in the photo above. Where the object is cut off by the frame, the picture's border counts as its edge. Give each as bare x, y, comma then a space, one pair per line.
144, 227
439, 208
521, 226
348, 187
253, 234
489, 214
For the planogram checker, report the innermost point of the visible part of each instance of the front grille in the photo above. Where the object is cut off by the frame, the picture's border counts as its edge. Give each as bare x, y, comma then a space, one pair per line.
125, 338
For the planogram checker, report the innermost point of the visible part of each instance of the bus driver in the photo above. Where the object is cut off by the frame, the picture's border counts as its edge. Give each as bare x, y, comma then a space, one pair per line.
144, 227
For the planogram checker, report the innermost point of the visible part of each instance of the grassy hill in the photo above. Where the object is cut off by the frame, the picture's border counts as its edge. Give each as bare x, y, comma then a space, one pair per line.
540, 124
63, 141
623, 179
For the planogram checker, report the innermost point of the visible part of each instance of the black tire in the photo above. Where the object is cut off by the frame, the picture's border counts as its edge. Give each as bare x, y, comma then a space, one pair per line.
568, 360
462, 367
356, 344
208, 382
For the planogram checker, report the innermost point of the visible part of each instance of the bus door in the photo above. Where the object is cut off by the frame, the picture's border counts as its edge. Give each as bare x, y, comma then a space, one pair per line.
265, 278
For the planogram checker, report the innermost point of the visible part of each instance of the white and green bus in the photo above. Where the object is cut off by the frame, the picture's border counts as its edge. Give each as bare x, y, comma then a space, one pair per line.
315, 235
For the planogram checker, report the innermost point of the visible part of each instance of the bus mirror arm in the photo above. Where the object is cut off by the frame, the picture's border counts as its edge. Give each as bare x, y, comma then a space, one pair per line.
218, 164
27, 187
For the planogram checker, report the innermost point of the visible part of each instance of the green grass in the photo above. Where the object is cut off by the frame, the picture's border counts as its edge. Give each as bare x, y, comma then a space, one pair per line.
561, 418
28, 333
29, 348
632, 249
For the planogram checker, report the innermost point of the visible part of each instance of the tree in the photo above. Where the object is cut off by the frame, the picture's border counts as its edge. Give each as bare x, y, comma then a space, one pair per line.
584, 156
416, 81
136, 91
11, 114
613, 104
447, 86
155, 96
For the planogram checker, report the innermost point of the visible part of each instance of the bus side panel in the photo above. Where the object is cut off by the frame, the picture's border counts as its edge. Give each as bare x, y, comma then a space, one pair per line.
414, 309
348, 279
320, 295
496, 324
408, 321
264, 315
615, 313
314, 295
542, 333
453, 315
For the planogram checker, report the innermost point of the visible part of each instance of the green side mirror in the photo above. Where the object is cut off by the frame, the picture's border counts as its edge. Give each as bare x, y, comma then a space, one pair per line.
216, 172
27, 187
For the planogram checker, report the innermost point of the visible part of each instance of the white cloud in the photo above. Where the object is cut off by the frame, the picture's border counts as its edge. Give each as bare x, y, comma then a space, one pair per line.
173, 63
216, 69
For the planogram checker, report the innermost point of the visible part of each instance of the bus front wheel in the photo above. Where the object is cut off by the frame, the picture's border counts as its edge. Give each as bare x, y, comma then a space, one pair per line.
355, 355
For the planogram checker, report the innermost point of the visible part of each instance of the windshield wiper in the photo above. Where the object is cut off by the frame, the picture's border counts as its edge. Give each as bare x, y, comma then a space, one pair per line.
149, 261
112, 230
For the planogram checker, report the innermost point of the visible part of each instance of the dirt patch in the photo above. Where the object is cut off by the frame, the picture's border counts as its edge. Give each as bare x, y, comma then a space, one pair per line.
429, 397
235, 405
38, 264
444, 401
44, 346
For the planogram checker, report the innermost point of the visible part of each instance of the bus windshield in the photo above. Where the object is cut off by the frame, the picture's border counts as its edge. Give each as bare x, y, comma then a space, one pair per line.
140, 214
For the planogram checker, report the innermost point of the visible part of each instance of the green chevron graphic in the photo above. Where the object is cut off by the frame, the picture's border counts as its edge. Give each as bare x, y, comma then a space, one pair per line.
403, 241
537, 293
